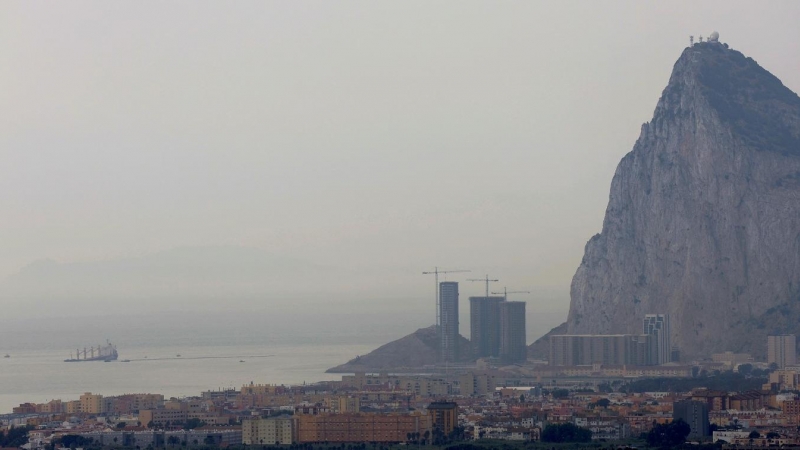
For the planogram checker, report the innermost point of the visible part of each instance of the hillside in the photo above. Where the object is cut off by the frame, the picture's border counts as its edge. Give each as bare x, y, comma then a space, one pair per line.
416, 350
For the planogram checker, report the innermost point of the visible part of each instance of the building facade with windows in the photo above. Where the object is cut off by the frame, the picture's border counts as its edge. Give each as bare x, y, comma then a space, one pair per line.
782, 350
657, 326
448, 315
512, 332
484, 326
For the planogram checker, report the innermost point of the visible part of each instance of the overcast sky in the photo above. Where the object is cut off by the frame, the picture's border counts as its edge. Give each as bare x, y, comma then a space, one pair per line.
381, 138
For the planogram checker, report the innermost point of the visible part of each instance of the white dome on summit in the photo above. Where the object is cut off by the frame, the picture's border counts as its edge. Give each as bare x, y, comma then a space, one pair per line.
713, 37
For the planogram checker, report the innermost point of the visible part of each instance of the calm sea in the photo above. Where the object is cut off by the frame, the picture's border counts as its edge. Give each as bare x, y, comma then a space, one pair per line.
217, 350
287, 349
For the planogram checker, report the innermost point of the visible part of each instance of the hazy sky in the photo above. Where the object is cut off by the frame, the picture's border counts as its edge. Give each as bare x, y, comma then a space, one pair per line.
382, 138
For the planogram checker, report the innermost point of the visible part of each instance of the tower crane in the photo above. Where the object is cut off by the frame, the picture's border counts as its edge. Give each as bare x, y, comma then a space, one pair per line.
506, 292
486, 280
435, 272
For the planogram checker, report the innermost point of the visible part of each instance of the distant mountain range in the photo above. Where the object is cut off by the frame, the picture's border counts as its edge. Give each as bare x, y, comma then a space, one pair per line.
180, 275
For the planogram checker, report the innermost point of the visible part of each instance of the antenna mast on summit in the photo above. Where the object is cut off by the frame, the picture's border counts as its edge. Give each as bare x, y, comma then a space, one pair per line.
691, 40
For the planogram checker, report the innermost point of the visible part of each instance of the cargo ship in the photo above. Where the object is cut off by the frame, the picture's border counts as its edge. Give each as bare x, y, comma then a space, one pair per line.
106, 353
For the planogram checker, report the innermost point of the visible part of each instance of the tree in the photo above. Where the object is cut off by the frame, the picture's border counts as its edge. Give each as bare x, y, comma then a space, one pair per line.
173, 441
16, 436
754, 434
603, 403
193, 423
566, 432
74, 441
121, 425
560, 393
773, 435
745, 369
672, 434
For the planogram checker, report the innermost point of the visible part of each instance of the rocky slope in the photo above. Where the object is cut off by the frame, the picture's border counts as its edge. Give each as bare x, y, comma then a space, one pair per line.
703, 220
416, 350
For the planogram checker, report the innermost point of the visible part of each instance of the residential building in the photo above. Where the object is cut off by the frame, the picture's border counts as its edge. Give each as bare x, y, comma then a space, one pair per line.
657, 325
484, 316
273, 430
444, 416
512, 332
348, 404
785, 379
781, 350
589, 349
479, 384
448, 315
160, 417
695, 414
361, 427
732, 360
92, 403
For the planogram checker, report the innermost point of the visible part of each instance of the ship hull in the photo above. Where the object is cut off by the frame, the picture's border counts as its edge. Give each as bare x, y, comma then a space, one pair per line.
97, 358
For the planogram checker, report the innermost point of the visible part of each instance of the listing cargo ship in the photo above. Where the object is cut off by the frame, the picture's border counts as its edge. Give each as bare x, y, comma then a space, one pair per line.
105, 353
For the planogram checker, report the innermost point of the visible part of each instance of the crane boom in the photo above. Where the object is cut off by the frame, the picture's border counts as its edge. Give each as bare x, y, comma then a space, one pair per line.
436, 273
486, 280
506, 292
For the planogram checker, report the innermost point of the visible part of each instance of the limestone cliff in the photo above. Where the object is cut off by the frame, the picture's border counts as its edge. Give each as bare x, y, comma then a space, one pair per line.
703, 219
411, 352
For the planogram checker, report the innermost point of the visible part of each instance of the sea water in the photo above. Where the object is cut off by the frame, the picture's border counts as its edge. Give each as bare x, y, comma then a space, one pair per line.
217, 351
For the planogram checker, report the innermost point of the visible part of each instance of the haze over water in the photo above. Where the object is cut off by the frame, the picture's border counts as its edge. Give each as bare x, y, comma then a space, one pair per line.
326, 153
289, 349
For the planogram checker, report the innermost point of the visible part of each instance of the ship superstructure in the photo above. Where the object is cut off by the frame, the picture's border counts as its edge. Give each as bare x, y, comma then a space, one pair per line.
106, 352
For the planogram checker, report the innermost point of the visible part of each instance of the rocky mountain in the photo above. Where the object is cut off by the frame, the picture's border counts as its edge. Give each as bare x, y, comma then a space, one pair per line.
416, 350
703, 219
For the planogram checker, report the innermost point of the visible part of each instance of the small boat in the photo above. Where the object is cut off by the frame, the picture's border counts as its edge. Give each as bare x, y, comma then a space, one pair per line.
179, 355
7, 356
126, 360
241, 360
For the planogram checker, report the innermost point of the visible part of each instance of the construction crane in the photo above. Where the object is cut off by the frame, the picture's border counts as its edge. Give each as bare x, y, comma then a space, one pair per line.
436, 273
486, 280
506, 292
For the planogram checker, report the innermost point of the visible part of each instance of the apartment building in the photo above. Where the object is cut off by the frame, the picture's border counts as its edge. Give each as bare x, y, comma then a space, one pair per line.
360, 427
269, 431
